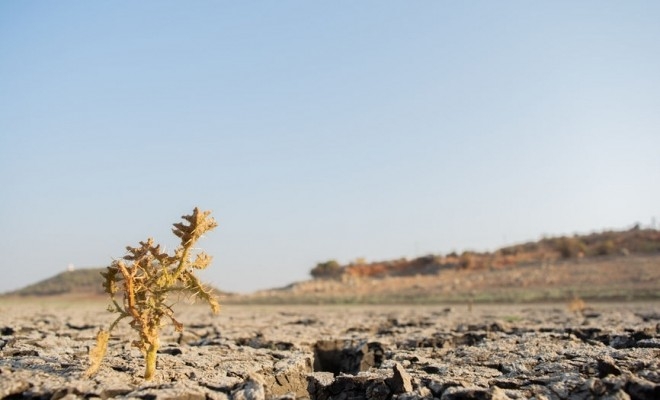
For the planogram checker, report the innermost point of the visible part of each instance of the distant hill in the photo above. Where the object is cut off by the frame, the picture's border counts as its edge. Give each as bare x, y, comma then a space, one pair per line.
592, 247
80, 281
77, 282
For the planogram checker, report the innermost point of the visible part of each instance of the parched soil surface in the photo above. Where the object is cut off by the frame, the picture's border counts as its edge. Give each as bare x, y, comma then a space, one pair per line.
341, 352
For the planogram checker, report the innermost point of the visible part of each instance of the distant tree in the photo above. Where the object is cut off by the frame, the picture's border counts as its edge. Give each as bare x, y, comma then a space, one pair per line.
328, 269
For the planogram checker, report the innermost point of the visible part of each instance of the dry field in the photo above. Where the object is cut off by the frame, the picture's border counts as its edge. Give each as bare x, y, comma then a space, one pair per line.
341, 352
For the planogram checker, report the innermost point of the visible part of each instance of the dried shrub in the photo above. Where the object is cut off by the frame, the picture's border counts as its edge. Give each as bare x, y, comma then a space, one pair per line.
146, 278
577, 305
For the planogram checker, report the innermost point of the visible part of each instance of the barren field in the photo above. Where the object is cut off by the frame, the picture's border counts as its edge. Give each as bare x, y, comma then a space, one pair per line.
340, 352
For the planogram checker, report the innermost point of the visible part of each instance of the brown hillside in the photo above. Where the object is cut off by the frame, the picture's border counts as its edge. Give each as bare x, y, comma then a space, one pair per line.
634, 241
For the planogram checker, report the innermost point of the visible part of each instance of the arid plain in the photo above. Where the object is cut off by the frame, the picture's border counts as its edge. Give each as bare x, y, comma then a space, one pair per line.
542, 351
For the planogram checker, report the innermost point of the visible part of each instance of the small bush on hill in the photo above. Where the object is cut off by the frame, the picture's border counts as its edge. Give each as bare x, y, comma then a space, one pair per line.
328, 269
569, 247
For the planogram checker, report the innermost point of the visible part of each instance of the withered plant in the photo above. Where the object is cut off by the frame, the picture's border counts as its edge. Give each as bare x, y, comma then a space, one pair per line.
577, 306
145, 278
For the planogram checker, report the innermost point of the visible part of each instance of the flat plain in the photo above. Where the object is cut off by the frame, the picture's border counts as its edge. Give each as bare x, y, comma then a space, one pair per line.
542, 351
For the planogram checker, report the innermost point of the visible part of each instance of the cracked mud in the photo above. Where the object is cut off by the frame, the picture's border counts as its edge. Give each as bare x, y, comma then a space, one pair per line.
341, 352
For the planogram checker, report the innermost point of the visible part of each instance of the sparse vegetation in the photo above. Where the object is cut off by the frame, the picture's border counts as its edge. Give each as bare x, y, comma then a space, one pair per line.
146, 277
328, 269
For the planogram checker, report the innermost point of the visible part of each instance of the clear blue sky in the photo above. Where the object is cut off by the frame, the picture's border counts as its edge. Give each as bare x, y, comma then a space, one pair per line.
320, 130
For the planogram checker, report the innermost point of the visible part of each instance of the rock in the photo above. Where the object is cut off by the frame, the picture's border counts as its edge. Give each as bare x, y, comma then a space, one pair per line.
168, 392
12, 387
432, 369
111, 392
222, 385
606, 366
617, 395
65, 393
652, 343
641, 389
377, 389
259, 342
595, 387
7, 331
173, 351
305, 321
217, 396
506, 383
498, 394
468, 339
289, 376
318, 384
401, 381
81, 327
455, 393
288, 396
251, 389
23, 353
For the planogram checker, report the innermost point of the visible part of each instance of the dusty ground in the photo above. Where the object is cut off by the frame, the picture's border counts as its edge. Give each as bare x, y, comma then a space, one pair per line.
341, 352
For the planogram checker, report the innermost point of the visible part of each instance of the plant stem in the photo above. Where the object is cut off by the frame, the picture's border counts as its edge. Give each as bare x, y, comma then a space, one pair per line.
184, 258
151, 361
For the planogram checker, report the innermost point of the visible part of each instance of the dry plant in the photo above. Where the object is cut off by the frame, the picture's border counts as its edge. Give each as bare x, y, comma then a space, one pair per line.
577, 305
146, 277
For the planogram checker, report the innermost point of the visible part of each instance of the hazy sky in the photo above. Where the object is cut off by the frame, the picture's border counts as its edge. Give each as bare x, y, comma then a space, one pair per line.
320, 130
